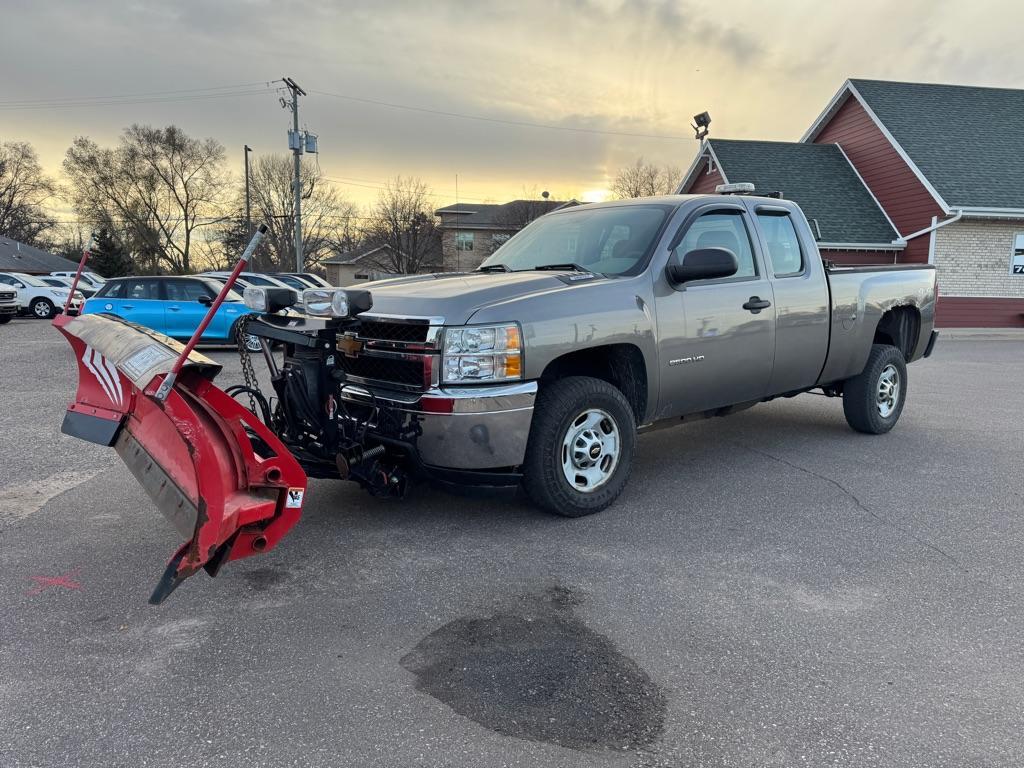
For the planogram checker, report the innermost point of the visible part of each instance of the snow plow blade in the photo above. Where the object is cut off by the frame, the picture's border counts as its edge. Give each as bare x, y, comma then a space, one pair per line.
213, 469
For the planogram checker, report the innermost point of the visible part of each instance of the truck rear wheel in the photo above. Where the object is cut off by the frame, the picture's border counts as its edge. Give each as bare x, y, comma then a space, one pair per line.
580, 450
873, 400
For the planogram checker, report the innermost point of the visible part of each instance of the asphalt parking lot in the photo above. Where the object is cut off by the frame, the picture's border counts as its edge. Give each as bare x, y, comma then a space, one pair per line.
773, 589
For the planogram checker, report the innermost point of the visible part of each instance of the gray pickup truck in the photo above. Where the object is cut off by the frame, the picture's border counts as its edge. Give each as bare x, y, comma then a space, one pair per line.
537, 371
591, 325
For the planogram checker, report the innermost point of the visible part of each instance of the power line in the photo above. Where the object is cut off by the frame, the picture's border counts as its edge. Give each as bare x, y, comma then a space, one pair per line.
129, 101
380, 185
265, 83
482, 118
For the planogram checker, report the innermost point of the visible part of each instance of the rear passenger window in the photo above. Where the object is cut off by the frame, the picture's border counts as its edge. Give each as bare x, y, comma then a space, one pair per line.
143, 289
186, 290
783, 244
721, 229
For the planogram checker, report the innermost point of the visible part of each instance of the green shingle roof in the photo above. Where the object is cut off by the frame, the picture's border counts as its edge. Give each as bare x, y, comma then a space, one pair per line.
967, 141
817, 177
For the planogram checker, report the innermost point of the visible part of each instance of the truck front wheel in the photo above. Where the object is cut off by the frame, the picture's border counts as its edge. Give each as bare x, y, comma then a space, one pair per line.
873, 400
580, 450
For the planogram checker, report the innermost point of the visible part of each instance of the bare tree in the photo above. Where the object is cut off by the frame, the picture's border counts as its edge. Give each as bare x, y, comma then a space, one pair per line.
159, 188
24, 192
645, 180
519, 213
326, 216
403, 219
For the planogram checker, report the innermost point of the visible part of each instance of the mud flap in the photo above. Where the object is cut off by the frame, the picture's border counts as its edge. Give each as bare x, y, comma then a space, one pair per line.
195, 452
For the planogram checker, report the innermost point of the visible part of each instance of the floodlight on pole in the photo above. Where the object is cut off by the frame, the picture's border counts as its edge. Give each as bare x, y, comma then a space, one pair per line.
700, 125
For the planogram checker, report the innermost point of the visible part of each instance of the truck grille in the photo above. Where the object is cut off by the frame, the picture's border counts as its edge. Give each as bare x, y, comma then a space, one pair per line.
409, 332
7, 295
407, 374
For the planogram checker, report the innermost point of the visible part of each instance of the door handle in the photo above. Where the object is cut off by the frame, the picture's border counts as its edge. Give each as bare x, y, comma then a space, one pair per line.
755, 304
127, 306
174, 309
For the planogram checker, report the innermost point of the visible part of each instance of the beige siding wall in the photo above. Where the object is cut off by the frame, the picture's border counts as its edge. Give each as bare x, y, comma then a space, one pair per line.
464, 261
972, 258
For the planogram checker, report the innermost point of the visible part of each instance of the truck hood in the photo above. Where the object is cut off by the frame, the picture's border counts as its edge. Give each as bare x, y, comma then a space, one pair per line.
457, 296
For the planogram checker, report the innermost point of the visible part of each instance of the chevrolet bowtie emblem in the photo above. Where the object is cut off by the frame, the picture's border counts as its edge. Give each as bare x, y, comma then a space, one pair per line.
349, 346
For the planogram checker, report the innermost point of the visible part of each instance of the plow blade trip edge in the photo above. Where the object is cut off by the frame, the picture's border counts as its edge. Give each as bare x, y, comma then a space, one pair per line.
213, 469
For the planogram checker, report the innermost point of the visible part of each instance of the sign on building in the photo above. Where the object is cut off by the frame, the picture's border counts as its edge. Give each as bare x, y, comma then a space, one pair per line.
1017, 258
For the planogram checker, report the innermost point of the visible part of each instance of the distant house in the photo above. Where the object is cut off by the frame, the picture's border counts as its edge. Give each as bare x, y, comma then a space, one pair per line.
18, 257
470, 232
905, 173
368, 263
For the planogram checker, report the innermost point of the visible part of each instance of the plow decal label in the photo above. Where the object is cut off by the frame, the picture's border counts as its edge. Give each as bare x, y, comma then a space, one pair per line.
106, 374
294, 498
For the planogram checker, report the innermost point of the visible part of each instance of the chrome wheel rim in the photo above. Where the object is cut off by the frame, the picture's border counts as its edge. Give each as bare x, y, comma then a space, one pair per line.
41, 309
590, 450
252, 343
888, 392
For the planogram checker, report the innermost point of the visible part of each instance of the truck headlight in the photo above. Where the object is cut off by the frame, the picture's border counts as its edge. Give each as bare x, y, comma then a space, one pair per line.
482, 353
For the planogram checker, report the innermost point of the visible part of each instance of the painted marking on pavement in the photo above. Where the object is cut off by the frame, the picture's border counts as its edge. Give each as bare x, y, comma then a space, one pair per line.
45, 582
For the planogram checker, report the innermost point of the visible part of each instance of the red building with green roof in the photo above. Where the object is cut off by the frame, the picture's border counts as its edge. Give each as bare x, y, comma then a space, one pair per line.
905, 173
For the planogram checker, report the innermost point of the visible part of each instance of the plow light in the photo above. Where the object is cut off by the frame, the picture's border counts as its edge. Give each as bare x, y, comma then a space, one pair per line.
335, 302
269, 299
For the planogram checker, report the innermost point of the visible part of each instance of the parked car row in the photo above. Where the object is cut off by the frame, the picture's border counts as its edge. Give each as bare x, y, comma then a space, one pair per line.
39, 298
171, 305
176, 305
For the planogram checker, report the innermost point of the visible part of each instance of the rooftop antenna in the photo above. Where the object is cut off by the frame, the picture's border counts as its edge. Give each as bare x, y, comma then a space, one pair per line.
700, 125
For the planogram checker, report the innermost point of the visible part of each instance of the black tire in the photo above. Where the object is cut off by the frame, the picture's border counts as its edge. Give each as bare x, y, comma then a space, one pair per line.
6, 319
42, 308
863, 404
560, 404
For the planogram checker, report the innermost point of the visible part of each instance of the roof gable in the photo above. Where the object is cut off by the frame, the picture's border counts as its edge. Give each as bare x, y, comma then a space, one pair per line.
18, 257
817, 177
963, 141
510, 215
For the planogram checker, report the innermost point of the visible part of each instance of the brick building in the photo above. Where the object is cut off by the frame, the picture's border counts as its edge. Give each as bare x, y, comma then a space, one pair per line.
470, 232
944, 166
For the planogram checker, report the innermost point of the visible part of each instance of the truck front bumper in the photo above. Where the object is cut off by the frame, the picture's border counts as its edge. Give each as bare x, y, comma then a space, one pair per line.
459, 428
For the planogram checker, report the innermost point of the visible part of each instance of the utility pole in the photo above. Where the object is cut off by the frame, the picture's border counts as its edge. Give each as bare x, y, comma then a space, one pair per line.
248, 212
295, 143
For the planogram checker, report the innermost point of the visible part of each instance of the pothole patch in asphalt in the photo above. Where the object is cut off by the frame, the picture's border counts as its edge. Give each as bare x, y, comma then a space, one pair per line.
538, 672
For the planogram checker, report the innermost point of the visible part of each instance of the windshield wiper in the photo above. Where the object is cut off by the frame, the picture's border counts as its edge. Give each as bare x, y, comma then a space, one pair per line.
493, 268
570, 266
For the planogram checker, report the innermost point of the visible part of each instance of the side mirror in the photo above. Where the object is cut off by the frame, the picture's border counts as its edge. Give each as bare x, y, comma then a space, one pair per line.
704, 264
205, 300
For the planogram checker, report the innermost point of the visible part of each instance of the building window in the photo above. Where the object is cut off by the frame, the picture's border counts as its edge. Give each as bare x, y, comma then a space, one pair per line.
1017, 256
463, 241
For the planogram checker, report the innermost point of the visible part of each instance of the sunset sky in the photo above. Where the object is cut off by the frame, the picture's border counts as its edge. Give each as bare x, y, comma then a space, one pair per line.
763, 70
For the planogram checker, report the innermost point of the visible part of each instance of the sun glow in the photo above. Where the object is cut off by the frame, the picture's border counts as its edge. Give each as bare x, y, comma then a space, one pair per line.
596, 195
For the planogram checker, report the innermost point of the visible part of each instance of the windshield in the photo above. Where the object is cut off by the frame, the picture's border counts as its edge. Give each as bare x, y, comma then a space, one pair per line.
29, 280
613, 240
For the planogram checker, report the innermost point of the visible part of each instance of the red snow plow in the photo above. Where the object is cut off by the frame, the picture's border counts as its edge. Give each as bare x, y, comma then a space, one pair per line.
214, 470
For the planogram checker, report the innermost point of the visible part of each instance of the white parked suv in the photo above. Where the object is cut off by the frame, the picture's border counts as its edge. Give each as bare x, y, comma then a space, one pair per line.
9, 306
39, 299
91, 279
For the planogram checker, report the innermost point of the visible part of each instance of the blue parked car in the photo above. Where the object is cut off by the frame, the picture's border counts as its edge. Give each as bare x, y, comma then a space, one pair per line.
173, 306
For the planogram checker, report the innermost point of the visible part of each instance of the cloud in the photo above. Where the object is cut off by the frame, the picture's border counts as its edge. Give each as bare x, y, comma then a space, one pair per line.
764, 70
